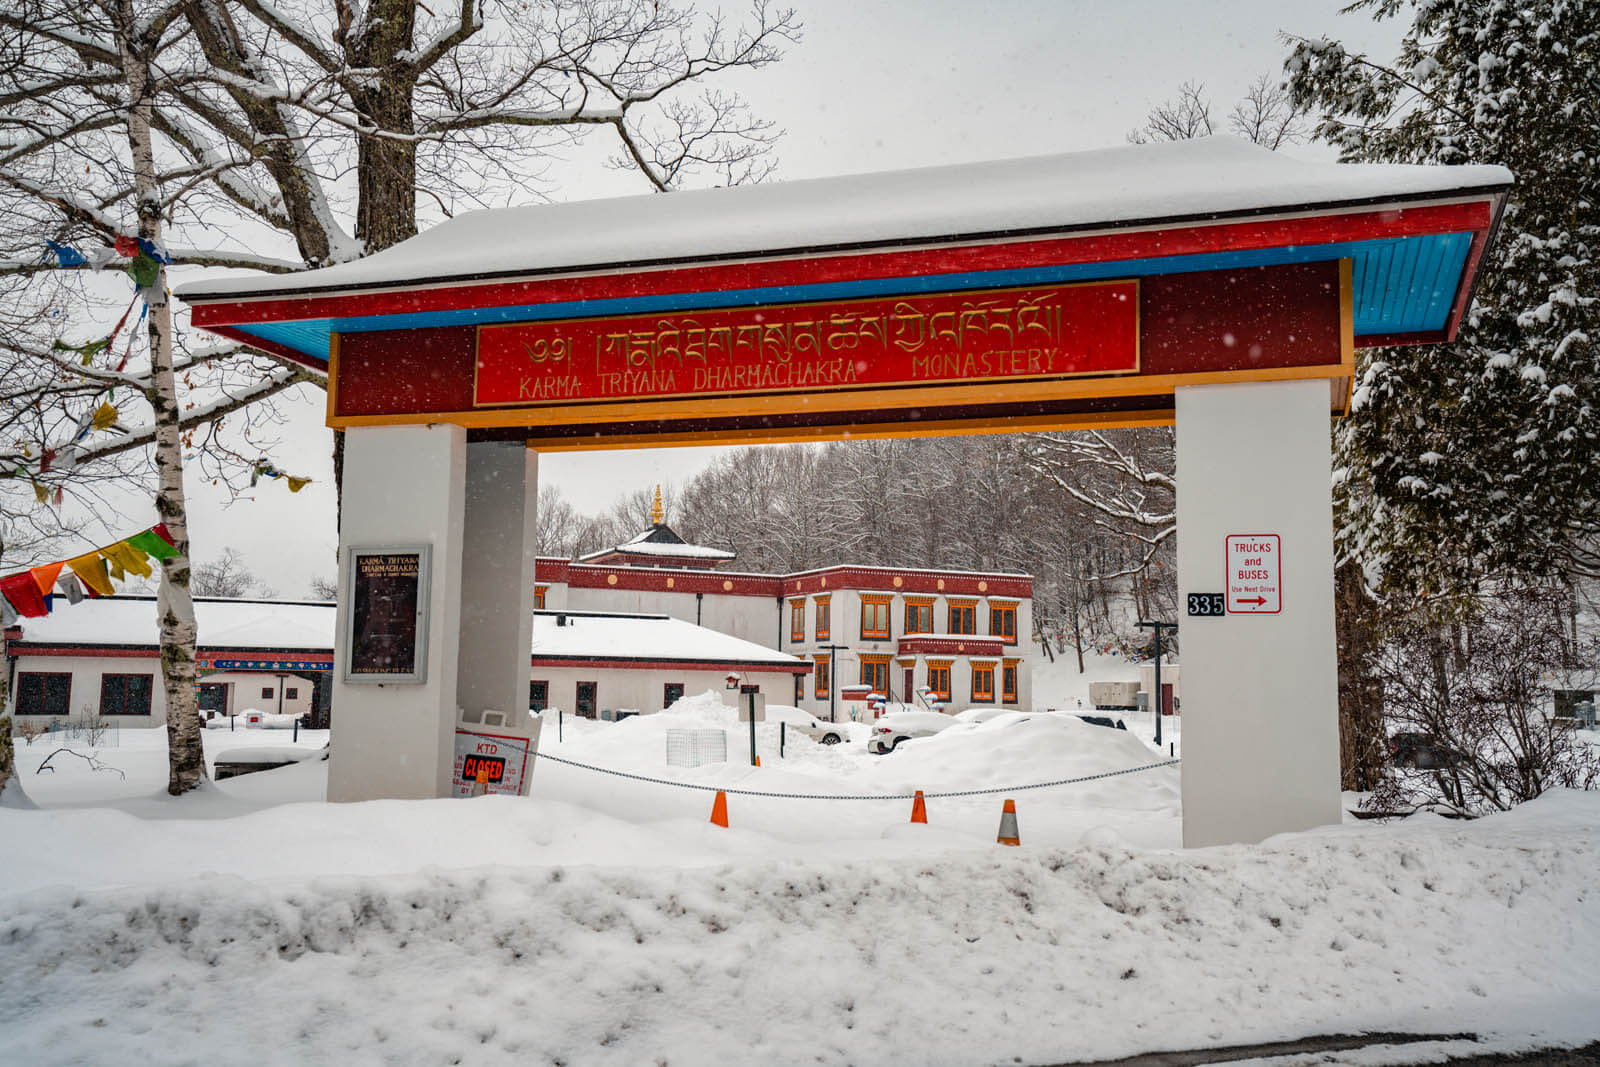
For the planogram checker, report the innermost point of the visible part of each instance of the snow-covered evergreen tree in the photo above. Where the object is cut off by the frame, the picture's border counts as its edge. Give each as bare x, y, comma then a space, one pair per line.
1478, 458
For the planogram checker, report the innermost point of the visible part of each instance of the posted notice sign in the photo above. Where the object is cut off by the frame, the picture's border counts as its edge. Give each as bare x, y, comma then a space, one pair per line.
1255, 584
501, 760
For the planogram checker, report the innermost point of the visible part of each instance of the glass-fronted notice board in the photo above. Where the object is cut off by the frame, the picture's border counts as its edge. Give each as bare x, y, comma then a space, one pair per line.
387, 617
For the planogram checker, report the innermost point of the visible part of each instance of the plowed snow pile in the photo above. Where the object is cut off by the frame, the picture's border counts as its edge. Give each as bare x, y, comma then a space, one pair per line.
604, 921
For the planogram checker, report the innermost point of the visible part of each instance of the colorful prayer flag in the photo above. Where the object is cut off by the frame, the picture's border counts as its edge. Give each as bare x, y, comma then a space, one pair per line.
128, 558
70, 589
91, 568
152, 544
46, 576
23, 593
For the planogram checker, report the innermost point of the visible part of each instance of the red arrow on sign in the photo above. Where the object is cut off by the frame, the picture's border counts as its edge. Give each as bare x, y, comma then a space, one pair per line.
1253, 600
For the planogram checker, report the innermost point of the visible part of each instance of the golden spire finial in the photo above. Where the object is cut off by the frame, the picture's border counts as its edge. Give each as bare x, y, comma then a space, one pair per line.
656, 514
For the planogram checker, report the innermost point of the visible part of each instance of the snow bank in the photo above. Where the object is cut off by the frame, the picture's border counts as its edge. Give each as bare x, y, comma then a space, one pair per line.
1043, 956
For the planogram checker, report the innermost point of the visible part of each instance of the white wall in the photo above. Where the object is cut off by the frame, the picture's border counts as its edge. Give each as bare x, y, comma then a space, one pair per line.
641, 690
84, 689
83, 696
750, 618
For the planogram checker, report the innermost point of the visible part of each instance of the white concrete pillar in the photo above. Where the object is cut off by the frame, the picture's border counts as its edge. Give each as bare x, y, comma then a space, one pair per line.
402, 485
497, 579
1260, 697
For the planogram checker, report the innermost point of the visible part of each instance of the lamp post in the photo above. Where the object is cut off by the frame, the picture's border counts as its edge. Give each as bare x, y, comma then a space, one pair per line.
833, 676
748, 693
1158, 627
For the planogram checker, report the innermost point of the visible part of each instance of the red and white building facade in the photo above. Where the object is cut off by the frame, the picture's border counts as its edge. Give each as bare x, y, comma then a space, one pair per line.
964, 637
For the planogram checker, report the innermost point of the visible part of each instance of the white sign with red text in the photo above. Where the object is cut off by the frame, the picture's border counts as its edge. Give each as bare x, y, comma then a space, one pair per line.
1254, 574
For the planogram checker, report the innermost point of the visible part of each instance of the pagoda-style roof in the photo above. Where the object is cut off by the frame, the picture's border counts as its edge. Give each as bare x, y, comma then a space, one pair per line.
659, 546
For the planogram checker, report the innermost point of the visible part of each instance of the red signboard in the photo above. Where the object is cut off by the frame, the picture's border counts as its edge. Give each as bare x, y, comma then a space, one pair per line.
1043, 332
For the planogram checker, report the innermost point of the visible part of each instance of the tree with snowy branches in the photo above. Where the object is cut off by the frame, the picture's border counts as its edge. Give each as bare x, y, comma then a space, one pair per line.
1478, 459
195, 132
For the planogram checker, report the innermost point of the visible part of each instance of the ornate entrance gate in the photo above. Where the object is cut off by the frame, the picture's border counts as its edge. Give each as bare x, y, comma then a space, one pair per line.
1210, 284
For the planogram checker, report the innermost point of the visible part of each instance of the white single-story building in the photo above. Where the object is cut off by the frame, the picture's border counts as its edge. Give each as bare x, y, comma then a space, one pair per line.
100, 658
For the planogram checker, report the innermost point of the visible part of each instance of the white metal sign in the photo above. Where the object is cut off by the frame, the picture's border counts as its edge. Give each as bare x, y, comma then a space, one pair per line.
499, 761
1254, 574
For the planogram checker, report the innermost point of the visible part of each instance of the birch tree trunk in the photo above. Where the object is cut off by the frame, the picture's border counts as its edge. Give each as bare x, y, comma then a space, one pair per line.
186, 767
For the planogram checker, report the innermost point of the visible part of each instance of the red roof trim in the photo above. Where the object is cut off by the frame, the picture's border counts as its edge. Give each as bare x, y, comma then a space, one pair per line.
940, 259
960, 645
557, 663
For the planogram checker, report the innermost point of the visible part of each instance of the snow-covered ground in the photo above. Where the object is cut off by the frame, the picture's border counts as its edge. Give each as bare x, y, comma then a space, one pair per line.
604, 920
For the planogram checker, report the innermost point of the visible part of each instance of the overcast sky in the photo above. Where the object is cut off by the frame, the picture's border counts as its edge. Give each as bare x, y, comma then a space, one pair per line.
875, 85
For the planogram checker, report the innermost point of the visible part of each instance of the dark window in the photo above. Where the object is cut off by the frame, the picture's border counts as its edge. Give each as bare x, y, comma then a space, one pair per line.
671, 693
291, 694
797, 620
963, 619
919, 618
43, 694
799, 689
876, 674
538, 696
268, 694
125, 694
1008, 684
824, 622
983, 684
213, 698
588, 699
939, 680
1003, 623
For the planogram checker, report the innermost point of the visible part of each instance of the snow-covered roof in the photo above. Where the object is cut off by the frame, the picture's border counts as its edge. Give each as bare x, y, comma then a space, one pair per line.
222, 623
1204, 178
603, 635
660, 540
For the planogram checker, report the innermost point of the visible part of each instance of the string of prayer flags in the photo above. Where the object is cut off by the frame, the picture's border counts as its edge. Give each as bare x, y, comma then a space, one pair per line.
30, 593
91, 570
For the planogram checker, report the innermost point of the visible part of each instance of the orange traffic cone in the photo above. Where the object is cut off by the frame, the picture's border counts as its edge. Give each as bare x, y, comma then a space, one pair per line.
758, 761
919, 809
719, 810
1008, 825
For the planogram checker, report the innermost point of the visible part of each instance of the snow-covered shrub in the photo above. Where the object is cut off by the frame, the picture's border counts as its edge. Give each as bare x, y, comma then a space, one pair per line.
1469, 690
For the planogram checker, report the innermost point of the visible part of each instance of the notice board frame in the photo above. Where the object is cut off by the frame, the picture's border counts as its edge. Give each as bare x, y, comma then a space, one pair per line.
355, 588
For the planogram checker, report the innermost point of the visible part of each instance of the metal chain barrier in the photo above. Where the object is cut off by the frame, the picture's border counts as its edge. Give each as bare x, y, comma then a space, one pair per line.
856, 796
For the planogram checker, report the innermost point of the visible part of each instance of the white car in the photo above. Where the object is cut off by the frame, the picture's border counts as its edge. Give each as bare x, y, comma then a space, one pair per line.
825, 733
898, 726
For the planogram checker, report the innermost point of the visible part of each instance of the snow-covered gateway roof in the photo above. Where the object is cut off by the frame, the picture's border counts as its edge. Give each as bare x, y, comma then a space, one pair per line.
303, 626
497, 266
